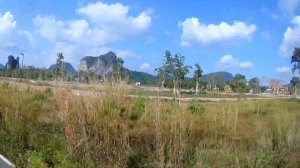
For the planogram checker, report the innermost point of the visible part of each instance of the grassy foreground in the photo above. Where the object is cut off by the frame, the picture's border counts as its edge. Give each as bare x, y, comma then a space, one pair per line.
55, 128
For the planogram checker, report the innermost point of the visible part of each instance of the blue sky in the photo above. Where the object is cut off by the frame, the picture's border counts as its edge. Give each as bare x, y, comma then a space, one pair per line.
255, 38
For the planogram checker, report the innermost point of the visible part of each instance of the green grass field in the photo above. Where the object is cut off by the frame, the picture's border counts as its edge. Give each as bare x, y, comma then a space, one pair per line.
55, 128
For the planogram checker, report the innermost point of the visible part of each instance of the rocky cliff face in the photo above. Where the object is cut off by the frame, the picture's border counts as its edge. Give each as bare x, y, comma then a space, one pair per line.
101, 65
12, 63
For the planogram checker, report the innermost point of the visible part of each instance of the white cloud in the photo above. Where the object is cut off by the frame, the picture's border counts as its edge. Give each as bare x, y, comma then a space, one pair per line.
196, 33
114, 17
246, 64
74, 38
11, 37
283, 69
75, 31
7, 23
145, 67
288, 7
296, 20
125, 54
229, 62
290, 39
102, 25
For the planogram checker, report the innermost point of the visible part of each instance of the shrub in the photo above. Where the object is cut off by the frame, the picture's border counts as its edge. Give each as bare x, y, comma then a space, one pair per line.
138, 108
196, 108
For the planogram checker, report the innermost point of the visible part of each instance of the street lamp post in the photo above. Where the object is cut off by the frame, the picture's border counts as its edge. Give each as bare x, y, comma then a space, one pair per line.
262, 84
261, 89
78, 76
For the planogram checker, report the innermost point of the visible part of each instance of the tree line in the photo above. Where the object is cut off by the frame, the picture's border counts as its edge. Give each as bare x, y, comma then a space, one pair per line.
173, 68
171, 74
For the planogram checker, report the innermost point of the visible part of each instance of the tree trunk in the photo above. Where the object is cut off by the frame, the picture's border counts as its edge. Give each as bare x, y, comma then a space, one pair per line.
197, 86
162, 83
174, 86
118, 77
179, 89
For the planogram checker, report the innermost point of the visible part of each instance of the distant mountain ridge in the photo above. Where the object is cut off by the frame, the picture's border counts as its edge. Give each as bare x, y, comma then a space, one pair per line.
221, 76
150, 79
2, 66
68, 68
144, 78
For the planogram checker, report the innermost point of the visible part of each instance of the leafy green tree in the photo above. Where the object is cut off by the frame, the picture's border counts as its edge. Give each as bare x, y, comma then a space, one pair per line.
214, 81
227, 89
161, 74
239, 84
59, 68
168, 67
197, 75
31, 72
293, 83
254, 84
175, 68
119, 69
296, 60
180, 71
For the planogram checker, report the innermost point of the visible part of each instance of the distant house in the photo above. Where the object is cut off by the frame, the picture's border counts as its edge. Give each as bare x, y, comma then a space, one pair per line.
12, 63
279, 91
268, 91
137, 83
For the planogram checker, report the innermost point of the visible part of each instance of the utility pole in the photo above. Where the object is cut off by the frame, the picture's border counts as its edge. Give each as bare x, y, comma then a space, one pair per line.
22, 59
20, 69
78, 76
262, 84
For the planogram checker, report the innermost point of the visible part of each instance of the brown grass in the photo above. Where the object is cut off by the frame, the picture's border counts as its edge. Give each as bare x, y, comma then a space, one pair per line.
112, 130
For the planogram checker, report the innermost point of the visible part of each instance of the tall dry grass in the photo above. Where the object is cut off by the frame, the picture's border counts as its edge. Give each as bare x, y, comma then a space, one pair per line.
110, 129
30, 130
113, 130
95, 128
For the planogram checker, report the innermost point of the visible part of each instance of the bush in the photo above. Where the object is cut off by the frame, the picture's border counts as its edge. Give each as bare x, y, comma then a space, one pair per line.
196, 108
138, 108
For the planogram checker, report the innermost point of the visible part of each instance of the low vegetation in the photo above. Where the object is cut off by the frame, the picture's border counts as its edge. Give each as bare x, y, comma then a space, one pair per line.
55, 128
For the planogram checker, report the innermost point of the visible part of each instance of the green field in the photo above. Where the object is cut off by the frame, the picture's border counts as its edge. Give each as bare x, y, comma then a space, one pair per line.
55, 128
